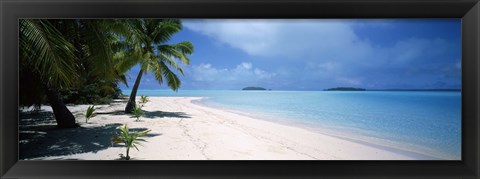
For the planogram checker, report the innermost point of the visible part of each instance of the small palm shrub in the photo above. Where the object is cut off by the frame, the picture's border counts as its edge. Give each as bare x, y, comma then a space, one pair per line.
137, 112
89, 113
130, 139
144, 99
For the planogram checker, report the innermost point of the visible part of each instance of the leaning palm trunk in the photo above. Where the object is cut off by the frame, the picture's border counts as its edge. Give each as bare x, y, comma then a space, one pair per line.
63, 53
131, 102
148, 41
63, 116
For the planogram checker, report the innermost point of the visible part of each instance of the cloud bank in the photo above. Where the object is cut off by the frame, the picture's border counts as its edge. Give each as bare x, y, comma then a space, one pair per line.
318, 54
207, 76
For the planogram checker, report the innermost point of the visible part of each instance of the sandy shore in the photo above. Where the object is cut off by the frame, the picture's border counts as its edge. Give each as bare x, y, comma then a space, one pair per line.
182, 130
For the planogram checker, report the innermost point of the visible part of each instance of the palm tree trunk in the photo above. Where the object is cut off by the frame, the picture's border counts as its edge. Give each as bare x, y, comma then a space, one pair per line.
131, 102
63, 116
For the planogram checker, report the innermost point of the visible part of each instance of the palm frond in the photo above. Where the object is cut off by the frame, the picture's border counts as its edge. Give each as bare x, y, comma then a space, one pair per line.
170, 62
164, 29
178, 51
47, 52
143, 133
137, 112
130, 139
125, 60
100, 57
185, 47
157, 71
172, 79
122, 78
144, 99
89, 113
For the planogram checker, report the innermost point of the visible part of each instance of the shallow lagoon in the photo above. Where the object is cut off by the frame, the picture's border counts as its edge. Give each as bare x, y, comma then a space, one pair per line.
425, 122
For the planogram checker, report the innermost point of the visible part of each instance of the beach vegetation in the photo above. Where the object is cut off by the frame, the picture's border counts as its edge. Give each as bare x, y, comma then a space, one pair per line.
149, 49
89, 113
144, 99
137, 112
130, 139
89, 93
63, 57
81, 61
46, 57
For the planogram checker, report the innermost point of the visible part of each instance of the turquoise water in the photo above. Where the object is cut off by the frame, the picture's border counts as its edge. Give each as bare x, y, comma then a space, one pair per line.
427, 123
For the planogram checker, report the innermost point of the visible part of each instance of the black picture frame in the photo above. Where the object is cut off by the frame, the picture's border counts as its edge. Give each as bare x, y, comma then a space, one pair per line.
467, 10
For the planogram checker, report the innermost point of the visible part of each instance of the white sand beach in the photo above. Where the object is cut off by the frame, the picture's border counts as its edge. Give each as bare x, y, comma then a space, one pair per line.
182, 130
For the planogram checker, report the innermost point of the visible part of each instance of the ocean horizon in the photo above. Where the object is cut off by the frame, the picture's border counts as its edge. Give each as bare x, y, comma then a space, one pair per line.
422, 122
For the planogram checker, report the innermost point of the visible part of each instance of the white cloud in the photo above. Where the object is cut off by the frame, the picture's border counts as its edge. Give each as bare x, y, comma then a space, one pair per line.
205, 72
245, 65
251, 36
328, 50
243, 74
280, 37
321, 41
330, 44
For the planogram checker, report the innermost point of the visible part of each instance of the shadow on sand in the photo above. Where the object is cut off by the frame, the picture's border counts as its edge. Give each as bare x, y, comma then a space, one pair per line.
162, 114
116, 112
39, 137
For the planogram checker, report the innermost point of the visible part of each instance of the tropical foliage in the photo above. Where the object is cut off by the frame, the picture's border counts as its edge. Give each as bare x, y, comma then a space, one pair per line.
58, 57
46, 65
130, 139
144, 99
137, 112
148, 47
89, 113
83, 60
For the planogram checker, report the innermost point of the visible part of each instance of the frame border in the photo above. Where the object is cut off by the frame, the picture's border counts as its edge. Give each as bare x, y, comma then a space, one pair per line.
467, 10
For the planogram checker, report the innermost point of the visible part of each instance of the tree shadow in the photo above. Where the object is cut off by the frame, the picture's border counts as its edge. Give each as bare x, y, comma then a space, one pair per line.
36, 117
144, 129
33, 125
116, 112
162, 114
39, 137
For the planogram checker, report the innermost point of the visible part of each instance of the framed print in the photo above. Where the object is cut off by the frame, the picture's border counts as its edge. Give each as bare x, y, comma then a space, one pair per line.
240, 89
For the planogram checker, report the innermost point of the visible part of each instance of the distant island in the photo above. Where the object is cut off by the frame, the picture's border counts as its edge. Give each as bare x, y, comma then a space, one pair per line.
254, 88
344, 89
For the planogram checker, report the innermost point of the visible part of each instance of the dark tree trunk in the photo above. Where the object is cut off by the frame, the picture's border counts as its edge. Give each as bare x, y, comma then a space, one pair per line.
131, 101
63, 116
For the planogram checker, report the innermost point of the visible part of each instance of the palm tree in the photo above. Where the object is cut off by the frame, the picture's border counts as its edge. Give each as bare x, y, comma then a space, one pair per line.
148, 40
45, 53
58, 54
96, 41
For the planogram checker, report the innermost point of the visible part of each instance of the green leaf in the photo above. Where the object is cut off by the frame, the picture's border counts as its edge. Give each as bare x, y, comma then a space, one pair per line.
89, 113
130, 139
48, 52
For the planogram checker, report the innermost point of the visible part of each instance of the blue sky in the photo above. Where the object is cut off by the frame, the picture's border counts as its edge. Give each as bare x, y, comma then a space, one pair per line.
318, 54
